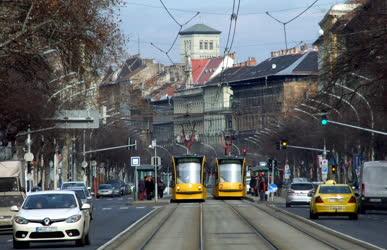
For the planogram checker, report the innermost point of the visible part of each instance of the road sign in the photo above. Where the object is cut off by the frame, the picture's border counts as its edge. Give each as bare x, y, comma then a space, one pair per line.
273, 188
135, 161
324, 169
262, 163
84, 164
28, 156
156, 161
287, 172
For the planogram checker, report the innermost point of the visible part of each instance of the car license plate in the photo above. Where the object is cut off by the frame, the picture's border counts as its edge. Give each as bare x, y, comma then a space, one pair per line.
46, 229
336, 208
375, 200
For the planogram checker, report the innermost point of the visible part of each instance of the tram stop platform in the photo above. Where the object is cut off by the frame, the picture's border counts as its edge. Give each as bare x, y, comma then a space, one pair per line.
277, 199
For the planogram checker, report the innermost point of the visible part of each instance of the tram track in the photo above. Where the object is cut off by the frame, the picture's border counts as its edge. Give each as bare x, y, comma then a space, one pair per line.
155, 235
270, 244
312, 232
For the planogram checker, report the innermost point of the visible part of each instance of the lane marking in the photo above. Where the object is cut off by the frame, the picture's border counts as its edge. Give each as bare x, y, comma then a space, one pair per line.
126, 230
140, 207
106, 208
10, 240
124, 208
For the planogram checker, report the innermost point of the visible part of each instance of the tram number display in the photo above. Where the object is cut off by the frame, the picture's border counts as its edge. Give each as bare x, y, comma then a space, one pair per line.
229, 161
188, 160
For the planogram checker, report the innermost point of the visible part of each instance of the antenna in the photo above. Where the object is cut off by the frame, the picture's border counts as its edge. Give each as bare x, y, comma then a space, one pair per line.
138, 44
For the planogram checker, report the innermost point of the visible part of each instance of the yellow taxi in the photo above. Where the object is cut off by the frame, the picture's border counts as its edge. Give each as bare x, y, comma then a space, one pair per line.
333, 199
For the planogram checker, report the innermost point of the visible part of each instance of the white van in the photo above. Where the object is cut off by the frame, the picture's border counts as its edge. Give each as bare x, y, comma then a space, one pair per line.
373, 186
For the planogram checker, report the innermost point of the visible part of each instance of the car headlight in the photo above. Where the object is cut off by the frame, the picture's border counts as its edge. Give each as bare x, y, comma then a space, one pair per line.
74, 218
21, 220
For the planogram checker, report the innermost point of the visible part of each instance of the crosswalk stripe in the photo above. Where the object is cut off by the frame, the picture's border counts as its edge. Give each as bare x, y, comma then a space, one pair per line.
106, 208
140, 207
124, 207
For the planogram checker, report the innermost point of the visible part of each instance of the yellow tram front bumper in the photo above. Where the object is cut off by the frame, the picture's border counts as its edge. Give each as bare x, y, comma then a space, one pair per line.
190, 192
230, 189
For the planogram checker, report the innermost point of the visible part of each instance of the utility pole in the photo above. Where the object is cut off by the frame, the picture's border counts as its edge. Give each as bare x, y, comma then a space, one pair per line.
155, 162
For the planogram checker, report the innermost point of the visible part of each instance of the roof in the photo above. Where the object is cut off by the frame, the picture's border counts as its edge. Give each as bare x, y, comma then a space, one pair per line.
199, 29
52, 192
204, 69
294, 64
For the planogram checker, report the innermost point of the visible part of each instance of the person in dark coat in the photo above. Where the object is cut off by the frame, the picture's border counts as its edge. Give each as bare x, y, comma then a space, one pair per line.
252, 185
149, 186
160, 188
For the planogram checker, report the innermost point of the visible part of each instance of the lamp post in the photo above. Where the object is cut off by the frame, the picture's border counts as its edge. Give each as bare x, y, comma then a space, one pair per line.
154, 146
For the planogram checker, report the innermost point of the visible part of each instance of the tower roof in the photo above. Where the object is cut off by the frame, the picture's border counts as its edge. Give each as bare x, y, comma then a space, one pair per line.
199, 29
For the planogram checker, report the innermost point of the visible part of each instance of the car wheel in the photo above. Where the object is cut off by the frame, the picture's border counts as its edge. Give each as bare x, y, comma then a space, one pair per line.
20, 244
353, 216
312, 215
81, 242
287, 204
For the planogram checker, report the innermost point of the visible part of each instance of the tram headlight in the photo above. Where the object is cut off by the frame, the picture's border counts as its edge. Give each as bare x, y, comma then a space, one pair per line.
178, 188
200, 187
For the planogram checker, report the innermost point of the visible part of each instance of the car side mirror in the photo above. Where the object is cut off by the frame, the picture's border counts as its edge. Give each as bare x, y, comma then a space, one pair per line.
14, 209
85, 206
89, 197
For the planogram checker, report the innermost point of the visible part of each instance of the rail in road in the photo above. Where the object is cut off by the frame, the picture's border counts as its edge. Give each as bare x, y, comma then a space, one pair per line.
330, 238
176, 226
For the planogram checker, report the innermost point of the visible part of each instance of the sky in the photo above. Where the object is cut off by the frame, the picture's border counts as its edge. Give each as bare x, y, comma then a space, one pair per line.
256, 33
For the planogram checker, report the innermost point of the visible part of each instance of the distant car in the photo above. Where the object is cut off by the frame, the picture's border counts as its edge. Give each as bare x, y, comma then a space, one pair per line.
299, 193
373, 186
333, 199
300, 179
81, 194
8, 199
105, 190
51, 216
120, 188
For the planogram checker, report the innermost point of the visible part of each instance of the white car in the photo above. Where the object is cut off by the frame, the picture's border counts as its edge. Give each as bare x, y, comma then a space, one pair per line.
51, 216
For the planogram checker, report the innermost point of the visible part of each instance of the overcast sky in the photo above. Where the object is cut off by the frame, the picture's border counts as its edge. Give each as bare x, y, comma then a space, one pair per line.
256, 34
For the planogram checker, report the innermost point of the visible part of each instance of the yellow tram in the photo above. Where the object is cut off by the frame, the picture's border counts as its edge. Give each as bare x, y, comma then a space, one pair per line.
188, 178
230, 177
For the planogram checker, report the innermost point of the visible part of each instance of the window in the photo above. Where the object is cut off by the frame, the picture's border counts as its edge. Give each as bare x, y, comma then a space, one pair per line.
205, 45
201, 45
211, 45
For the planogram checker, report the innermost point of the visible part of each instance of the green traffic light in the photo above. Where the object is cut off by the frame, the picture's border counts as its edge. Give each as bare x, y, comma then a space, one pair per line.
324, 122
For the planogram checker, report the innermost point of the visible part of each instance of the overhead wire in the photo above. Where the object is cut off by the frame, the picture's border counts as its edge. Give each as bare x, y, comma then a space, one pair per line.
177, 35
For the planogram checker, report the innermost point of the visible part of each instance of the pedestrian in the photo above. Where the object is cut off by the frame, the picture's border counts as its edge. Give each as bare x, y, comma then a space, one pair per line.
148, 187
253, 183
262, 186
160, 188
141, 189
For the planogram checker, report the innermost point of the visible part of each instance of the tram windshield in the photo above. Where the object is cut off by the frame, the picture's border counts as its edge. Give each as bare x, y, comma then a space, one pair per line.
231, 172
188, 173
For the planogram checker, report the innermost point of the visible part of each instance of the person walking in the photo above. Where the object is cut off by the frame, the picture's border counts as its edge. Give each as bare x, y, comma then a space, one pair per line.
262, 185
160, 188
141, 189
148, 187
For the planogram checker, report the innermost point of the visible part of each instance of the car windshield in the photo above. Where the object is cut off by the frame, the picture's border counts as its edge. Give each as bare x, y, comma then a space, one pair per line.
72, 184
80, 194
230, 172
335, 190
50, 201
301, 186
105, 186
188, 172
8, 184
11, 200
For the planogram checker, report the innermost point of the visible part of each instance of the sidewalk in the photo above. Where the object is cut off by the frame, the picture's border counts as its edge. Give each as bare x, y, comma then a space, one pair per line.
164, 201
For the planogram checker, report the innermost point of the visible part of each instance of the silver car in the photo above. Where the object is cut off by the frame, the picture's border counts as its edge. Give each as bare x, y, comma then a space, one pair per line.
299, 193
81, 194
105, 190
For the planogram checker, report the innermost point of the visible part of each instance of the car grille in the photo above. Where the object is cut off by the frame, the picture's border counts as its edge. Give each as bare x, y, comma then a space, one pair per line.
46, 235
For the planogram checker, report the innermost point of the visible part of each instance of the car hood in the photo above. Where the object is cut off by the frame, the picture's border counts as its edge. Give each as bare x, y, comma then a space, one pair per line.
5, 211
39, 214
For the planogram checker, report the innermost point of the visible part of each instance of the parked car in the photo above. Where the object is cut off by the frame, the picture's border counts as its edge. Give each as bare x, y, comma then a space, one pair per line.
51, 216
105, 190
73, 184
81, 194
333, 199
7, 199
373, 186
299, 193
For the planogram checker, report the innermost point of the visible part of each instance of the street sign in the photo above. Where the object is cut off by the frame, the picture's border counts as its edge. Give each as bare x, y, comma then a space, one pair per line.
273, 188
28, 156
262, 163
135, 161
84, 164
287, 172
156, 161
324, 169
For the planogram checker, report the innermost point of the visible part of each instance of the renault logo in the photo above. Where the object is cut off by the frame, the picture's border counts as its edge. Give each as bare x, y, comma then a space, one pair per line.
46, 221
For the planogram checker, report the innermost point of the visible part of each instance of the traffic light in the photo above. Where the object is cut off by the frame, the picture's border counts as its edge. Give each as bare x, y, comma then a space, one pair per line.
324, 120
284, 144
270, 163
334, 169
